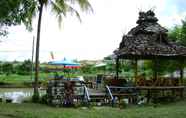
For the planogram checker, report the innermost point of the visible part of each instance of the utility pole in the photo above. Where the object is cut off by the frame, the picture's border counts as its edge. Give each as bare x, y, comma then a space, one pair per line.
32, 67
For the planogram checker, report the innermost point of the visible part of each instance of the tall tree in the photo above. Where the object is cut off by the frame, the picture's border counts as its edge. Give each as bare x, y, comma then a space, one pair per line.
60, 8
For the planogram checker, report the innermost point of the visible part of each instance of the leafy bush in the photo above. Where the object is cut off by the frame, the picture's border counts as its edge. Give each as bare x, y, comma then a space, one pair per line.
7, 68
24, 68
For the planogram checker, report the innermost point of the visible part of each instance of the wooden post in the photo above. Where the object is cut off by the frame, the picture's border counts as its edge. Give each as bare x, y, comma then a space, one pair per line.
117, 68
136, 68
181, 72
155, 69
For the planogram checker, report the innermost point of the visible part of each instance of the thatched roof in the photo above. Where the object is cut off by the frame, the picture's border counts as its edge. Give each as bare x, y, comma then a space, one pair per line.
149, 40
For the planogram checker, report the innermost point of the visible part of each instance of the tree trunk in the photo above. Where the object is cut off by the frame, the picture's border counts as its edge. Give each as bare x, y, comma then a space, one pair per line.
36, 91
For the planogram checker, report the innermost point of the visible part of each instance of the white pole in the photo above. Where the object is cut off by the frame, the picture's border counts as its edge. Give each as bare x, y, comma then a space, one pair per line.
32, 67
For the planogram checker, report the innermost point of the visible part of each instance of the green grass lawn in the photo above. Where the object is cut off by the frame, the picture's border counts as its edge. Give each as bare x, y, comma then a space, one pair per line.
16, 80
29, 110
21, 80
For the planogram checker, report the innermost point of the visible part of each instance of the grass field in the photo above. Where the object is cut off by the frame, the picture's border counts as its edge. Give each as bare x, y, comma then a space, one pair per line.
16, 80
29, 110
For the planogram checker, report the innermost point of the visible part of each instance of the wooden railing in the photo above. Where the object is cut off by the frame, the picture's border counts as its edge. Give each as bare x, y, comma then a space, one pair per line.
161, 81
86, 94
110, 94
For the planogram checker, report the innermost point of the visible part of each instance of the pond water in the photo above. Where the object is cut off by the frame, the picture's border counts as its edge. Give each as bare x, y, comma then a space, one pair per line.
17, 95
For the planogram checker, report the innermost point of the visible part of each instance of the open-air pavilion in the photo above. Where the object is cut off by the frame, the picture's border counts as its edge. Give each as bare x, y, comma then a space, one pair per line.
149, 41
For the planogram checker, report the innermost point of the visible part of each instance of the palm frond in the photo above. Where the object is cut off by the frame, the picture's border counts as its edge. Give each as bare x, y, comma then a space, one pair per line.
59, 6
29, 12
62, 7
60, 18
84, 5
74, 11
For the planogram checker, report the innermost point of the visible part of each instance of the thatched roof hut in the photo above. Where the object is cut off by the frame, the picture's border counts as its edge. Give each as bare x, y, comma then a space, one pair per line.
148, 40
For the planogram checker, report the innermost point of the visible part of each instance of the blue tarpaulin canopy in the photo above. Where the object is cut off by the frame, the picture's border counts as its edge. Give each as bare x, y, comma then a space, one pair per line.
62, 65
64, 62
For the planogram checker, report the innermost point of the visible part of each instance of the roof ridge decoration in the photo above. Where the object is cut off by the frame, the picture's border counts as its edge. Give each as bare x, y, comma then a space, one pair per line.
149, 16
147, 23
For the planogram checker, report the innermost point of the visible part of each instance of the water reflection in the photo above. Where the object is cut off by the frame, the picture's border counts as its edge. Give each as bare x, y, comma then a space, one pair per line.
17, 95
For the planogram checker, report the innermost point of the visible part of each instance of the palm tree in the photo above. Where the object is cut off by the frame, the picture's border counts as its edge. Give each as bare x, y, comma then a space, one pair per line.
60, 8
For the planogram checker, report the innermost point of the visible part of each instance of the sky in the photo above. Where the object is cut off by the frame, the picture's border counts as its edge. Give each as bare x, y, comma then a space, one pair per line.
97, 36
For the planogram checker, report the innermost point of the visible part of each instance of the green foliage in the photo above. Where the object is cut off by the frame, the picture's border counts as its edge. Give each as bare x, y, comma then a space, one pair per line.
24, 68
8, 8
163, 66
175, 33
7, 68
178, 33
147, 68
110, 67
22, 80
14, 12
183, 32
88, 69
127, 65
110, 64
